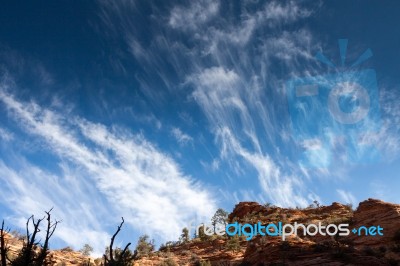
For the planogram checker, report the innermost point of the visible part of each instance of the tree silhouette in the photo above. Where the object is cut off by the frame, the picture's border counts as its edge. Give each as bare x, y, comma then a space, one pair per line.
29, 256
220, 217
118, 257
185, 235
86, 250
3, 245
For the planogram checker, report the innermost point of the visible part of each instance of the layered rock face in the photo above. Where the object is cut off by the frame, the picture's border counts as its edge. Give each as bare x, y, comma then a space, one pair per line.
300, 250
376, 212
333, 250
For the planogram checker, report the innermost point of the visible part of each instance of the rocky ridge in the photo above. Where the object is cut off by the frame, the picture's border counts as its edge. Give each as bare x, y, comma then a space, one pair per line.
271, 250
298, 250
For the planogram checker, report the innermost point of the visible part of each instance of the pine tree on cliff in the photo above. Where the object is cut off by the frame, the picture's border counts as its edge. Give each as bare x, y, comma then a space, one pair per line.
185, 235
220, 218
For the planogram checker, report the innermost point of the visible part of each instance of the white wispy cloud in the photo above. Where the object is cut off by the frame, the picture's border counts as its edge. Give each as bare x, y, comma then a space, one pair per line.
386, 138
220, 94
194, 15
280, 12
234, 99
77, 203
347, 197
282, 189
181, 138
137, 180
6, 135
374, 138
233, 64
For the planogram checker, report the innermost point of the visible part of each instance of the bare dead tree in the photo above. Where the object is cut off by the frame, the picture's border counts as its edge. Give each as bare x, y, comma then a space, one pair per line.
50, 228
120, 258
3, 245
27, 255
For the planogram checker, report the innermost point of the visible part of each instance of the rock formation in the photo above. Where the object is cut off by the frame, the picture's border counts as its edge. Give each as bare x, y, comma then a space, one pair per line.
271, 250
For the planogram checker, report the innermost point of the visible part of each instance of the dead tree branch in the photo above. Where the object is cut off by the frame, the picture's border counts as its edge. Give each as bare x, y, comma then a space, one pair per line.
3, 245
117, 258
27, 255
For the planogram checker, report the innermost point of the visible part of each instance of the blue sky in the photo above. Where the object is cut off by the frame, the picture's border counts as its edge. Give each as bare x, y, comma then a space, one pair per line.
161, 113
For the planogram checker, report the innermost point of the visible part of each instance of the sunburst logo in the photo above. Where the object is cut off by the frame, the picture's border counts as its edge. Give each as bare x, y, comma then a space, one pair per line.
335, 116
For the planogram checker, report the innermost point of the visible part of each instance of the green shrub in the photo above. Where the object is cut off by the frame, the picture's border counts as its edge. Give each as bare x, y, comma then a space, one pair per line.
233, 243
144, 246
202, 235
